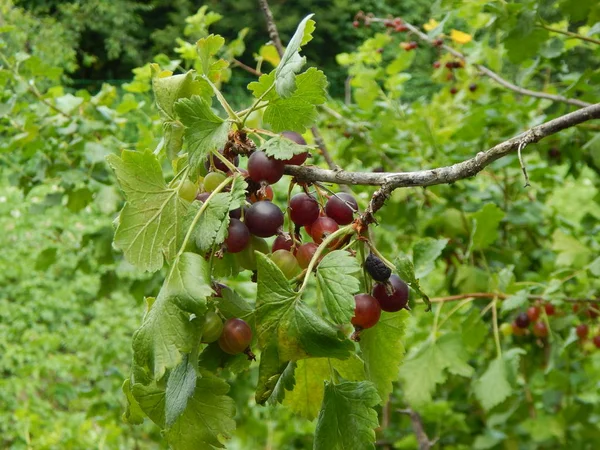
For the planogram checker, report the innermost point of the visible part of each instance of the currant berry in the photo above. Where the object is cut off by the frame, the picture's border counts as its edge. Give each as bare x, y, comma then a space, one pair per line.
213, 327
296, 160
366, 312
188, 190
287, 263
304, 209
263, 219
282, 242
518, 331
247, 257
453, 91
522, 320
472, 87
305, 253
264, 168
437, 65
533, 312
356, 24
321, 228
438, 42
506, 329
203, 196
397, 299
236, 213
220, 165
212, 180
597, 341
549, 308
238, 236
236, 336
582, 331
540, 329
591, 312
376, 268
341, 208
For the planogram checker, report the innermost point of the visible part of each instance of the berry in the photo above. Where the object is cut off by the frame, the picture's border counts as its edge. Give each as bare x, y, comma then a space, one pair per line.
591, 312
236, 336
282, 242
533, 312
247, 257
341, 208
597, 341
400, 28
305, 253
472, 87
321, 228
506, 329
540, 329
212, 180
220, 165
437, 65
293, 136
238, 236
549, 308
236, 213
582, 331
394, 301
356, 24
263, 219
408, 46
202, 197
296, 160
188, 190
438, 42
522, 320
264, 193
518, 331
379, 50
377, 269
287, 263
366, 312
213, 327
304, 209
264, 168
453, 91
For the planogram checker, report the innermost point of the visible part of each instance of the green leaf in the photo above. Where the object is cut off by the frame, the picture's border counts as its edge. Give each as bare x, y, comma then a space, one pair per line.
172, 141
347, 419
571, 252
172, 325
133, 413
274, 377
204, 130
291, 61
515, 301
382, 351
232, 305
485, 231
338, 285
264, 83
283, 318
425, 252
167, 90
427, 368
406, 271
207, 48
180, 387
280, 147
495, 385
150, 222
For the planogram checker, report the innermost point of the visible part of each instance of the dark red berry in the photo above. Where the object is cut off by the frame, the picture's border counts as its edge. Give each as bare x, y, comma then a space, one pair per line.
437, 65
582, 331
263, 219
377, 269
549, 308
305, 253
356, 24
341, 208
540, 329
597, 341
220, 165
321, 228
438, 42
202, 197
263, 168
238, 236
591, 312
304, 209
472, 87
517, 330
282, 242
522, 320
533, 312
453, 91
236, 336
296, 160
366, 311
397, 297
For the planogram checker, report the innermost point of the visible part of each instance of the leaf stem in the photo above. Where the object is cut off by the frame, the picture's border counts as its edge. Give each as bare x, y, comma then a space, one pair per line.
225, 161
226, 106
495, 327
255, 105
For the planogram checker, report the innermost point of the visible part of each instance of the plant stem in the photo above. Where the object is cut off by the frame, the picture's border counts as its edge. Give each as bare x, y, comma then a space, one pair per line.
255, 105
495, 327
226, 106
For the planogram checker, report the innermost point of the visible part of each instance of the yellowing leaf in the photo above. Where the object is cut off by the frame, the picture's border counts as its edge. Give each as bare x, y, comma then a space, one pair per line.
269, 54
460, 37
431, 25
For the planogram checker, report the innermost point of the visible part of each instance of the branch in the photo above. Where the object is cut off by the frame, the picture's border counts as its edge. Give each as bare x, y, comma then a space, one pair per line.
570, 34
491, 74
419, 430
442, 175
454, 298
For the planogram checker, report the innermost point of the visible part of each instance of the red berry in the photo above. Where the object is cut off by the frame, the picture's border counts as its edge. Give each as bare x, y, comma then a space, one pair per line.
533, 312
438, 42
522, 320
550, 310
366, 312
437, 65
540, 329
453, 91
394, 301
236, 336
517, 330
263, 219
238, 236
304, 209
282, 242
321, 228
401, 28
341, 208
264, 168
582, 331
591, 312
597, 341
472, 87
305, 253
356, 24
398, 21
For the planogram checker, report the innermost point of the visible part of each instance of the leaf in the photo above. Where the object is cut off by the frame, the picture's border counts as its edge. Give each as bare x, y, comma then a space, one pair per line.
494, 386
425, 369
406, 271
382, 351
281, 317
485, 230
169, 89
204, 130
571, 252
347, 419
460, 37
172, 326
515, 301
291, 61
150, 222
307, 396
280, 147
207, 48
274, 377
180, 387
232, 305
133, 413
338, 285
172, 141
425, 252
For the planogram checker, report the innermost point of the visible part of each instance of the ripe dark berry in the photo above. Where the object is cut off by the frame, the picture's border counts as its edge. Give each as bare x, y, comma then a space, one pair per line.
549, 308
247, 257
236, 336
321, 228
202, 197
238, 236
533, 312
438, 42
220, 165
282, 242
304, 209
437, 65
591, 312
264, 168
540, 329
305, 253
341, 208
582, 331
522, 320
453, 91
366, 312
597, 341
401, 28
263, 219
356, 24
394, 301
472, 87
293, 136
296, 160
377, 269
517, 330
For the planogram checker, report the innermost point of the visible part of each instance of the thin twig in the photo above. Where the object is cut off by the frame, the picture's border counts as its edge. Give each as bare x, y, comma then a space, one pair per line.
247, 68
523, 168
417, 424
570, 34
501, 296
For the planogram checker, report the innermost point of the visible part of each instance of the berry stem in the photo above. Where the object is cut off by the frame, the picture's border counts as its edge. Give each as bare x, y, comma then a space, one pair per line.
225, 161
182, 173
495, 326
